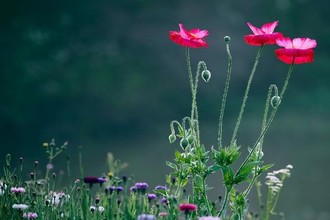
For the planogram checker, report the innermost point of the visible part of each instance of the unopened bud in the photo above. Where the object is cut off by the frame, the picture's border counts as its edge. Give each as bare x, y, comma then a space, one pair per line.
206, 75
172, 138
36, 163
226, 39
191, 139
275, 101
184, 143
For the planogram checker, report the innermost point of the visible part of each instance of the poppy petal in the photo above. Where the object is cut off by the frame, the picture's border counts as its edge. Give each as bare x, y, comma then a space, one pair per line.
255, 30
269, 27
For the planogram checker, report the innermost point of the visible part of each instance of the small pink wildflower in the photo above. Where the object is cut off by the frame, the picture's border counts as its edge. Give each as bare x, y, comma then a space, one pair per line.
188, 207
163, 214
17, 190
30, 215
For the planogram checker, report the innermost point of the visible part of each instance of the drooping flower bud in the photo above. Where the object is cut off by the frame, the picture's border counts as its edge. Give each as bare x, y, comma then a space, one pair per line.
226, 39
172, 138
191, 139
184, 143
206, 75
275, 101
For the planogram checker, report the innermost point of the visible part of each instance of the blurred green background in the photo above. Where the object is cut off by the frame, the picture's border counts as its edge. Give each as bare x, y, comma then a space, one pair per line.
103, 74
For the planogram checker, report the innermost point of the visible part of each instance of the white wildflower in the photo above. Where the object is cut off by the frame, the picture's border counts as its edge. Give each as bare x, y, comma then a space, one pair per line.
20, 206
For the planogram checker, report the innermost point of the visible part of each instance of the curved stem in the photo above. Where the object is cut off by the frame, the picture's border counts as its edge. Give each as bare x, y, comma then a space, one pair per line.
246, 95
271, 118
224, 97
263, 127
201, 63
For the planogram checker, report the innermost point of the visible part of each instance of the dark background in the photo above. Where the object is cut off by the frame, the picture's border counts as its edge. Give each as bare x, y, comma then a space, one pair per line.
104, 75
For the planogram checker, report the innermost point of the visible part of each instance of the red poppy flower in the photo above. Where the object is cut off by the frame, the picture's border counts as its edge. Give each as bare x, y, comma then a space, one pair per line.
193, 38
187, 207
263, 35
297, 51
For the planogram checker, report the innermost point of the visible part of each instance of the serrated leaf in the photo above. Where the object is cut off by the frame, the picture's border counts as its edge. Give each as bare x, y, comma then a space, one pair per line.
228, 176
265, 168
245, 171
177, 155
181, 132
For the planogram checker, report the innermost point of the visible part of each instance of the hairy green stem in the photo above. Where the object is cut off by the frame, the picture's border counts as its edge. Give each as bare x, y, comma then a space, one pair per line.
271, 118
263, 126
222, 212
246, 95
224, 97
192, 87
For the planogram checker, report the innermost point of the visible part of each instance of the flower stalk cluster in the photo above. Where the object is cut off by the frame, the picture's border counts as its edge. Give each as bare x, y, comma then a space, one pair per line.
195, 163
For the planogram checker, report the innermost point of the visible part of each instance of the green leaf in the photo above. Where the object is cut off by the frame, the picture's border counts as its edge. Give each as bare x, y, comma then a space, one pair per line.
265, 168
172, 165
181, 132
177, 155
228, 176
184, 182
245, 171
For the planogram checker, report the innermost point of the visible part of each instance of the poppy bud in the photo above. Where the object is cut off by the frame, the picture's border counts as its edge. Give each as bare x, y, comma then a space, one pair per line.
172, 138
184, 143
206, 75
191, 139
226, 39
275, 101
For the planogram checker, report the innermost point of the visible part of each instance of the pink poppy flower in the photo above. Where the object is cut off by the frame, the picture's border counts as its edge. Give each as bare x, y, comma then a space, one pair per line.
296, 51
263, 35
192, 38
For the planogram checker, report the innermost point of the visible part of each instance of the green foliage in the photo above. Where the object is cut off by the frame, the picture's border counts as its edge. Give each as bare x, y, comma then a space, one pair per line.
227, 156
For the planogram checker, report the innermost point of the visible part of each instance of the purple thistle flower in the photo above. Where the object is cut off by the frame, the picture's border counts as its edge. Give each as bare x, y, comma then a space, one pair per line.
133, 189
111, 189
119, 189
141, 187
92, 179
164, 201
151, 196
